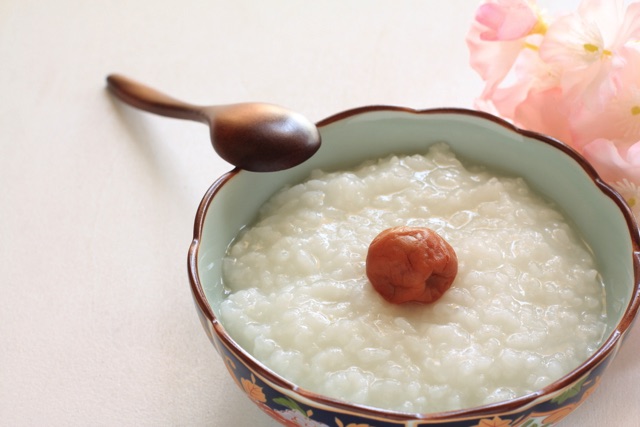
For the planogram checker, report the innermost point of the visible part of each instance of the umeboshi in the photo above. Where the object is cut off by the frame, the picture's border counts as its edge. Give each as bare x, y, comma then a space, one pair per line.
411, 264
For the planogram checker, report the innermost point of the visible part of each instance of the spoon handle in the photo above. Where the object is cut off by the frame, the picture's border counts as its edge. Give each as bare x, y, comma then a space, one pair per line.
150, 100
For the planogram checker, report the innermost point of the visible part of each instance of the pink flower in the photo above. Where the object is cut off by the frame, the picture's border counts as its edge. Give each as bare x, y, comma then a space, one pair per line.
631, 193
614, 163
620, 167
506, 20
575, 78
498, 35
586, 44
617, 116
544, 111
529, 77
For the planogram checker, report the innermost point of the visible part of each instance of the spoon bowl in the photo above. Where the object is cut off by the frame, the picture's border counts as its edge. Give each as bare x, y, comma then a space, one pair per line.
257, 137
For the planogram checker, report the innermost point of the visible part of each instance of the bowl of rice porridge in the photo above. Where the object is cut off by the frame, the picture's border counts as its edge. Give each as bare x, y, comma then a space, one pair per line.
546, 284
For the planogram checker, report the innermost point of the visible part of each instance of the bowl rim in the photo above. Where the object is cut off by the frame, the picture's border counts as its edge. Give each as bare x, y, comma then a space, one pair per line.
508, 406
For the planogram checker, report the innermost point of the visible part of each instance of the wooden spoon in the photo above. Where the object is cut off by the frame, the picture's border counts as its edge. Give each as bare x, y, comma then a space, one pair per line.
252, 136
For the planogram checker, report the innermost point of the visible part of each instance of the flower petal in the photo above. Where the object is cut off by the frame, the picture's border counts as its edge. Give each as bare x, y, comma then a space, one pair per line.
572, 42
545, 111
612, 163
616, 114
506, 20
491, 60
629, 30
606, 14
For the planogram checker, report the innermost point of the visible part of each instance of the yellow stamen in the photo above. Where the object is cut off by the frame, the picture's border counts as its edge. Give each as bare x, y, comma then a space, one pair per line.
531, 46
631, 201
635, 110
540, 27
591, 48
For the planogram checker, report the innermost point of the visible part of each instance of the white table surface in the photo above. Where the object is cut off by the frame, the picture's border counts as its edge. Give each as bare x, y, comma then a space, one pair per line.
97, 324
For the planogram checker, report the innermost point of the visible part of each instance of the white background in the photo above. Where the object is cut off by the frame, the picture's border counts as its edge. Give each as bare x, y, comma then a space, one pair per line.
97, 200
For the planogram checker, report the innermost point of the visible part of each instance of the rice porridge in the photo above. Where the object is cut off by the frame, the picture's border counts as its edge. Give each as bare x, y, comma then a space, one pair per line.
526, 306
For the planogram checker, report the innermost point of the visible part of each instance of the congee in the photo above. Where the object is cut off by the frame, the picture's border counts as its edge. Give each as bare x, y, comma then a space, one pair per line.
526, 306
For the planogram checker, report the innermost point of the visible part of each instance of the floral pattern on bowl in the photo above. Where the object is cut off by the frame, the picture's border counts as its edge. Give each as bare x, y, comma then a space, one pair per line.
285, 408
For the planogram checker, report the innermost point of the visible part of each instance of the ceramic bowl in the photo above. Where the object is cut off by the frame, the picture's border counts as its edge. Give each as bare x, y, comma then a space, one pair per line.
348, 138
